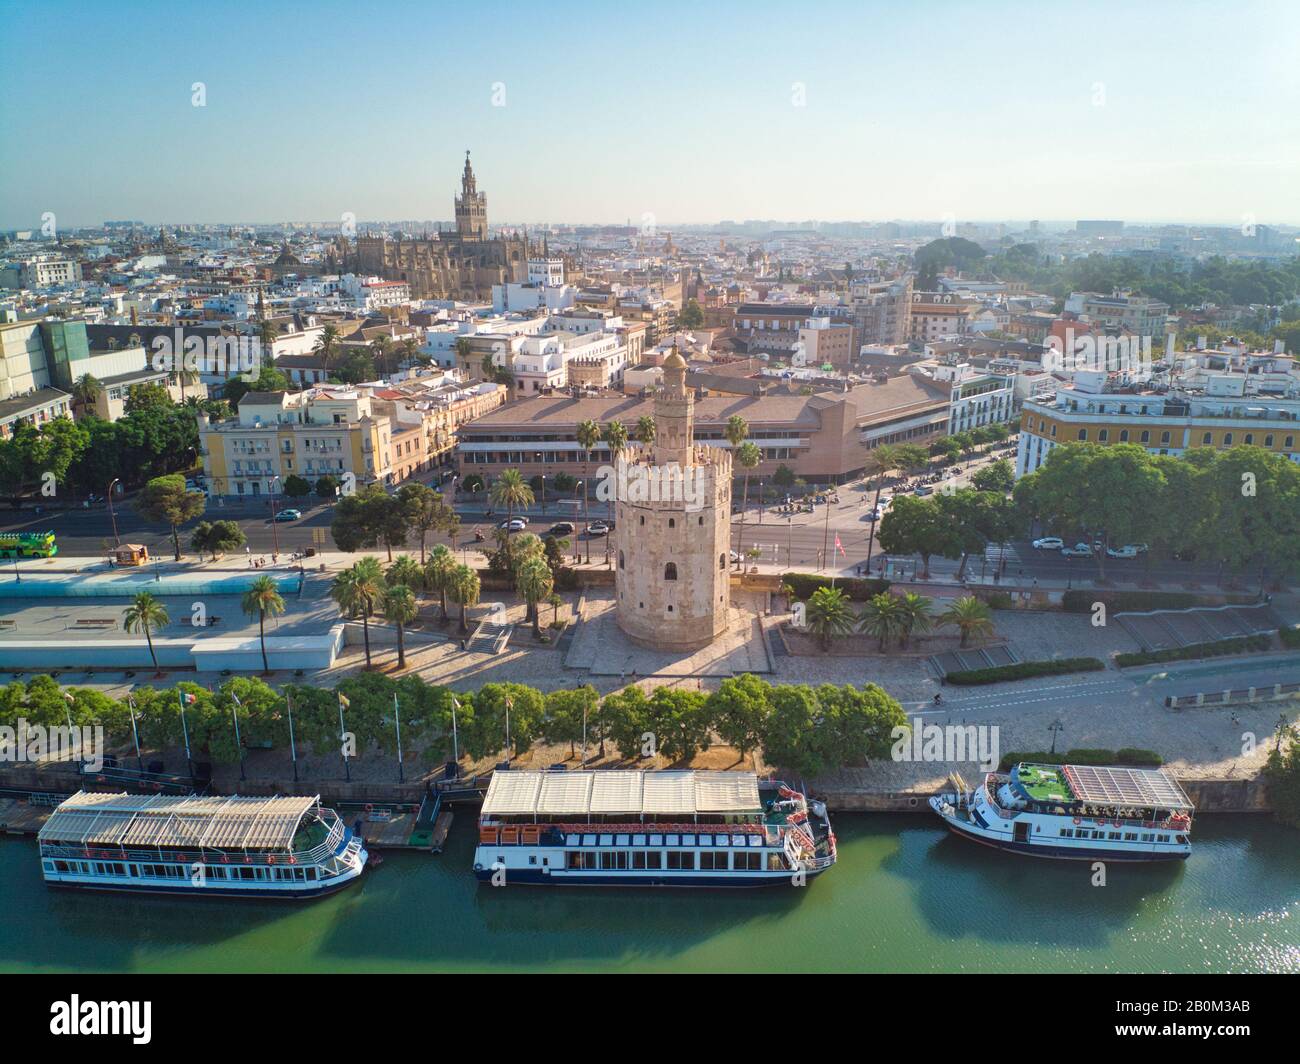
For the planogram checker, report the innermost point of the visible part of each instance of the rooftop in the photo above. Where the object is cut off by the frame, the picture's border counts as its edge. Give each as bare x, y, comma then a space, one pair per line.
621, 792
213, 823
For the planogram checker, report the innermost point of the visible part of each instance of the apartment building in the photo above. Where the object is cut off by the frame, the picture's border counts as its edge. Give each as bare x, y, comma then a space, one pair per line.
313, 433
1122, 311
937, 315
1211, 400
882, 311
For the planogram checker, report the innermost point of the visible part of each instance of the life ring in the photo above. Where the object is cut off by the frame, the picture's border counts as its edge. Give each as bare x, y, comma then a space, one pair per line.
370, 808
1078, 820
225, 859
293, 860
478, 867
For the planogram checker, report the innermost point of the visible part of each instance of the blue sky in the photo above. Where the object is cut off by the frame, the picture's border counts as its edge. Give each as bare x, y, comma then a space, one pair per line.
1163, 111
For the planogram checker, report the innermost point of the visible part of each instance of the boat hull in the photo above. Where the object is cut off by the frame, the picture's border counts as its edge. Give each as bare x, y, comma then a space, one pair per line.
251, 894
1054, 851
732, 880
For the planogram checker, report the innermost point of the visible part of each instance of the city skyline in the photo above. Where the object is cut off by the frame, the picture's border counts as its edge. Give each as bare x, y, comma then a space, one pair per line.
690, 120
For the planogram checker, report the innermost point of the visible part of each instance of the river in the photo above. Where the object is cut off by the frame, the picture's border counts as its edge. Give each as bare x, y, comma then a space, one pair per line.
904, 897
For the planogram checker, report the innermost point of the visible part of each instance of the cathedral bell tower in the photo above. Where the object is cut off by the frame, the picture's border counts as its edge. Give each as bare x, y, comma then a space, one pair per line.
471, 207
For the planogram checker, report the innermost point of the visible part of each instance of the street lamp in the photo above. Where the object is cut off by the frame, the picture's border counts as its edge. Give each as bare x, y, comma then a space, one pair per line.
275, 532
1054, 727
117, 542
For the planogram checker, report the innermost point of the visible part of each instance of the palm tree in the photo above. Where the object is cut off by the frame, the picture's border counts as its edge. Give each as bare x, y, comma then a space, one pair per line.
645, 429
883, 617
588, 434
917, 613
970, 615
615, 437
829, 614
399, 608
260, 600
86, 391
747, 457
535, 585
357, 590
145, 614
510, 490
880, 461
464, 592
405, 570
438, 572
381, 349
327, 345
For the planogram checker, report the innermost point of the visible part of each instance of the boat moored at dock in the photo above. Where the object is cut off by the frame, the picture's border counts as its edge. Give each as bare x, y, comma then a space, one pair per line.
1080, 812
621, 827
282, 847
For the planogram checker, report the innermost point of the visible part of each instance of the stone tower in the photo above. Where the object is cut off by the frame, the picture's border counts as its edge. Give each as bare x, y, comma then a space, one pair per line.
471, 207
672, 529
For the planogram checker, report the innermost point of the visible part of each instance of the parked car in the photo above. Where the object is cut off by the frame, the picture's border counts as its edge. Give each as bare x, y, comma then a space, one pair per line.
1049, 543
1079, 550
289, 515
515, 524
1129, 551
560, 528
598, 528
923, 490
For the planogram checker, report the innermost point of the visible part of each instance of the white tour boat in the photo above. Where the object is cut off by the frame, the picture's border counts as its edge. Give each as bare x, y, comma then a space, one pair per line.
223, 846
620, 827
1079, 812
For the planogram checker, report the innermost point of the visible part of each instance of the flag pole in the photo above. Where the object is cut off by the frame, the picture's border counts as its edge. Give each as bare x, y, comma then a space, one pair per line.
397, 715
185, 730
343, 749
455, 742
139, 761
293, 747
239, 743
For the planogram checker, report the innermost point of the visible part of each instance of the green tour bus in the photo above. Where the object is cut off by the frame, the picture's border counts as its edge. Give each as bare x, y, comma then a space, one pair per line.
28, 545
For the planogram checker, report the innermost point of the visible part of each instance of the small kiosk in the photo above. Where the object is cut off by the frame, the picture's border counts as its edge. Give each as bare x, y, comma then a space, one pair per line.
131, 554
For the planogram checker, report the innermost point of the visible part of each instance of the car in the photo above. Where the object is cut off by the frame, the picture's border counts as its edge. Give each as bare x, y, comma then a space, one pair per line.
515, 524
289, 515
924, 490
1079, 550
1122, 552
598, 528
1049, 543
560, 528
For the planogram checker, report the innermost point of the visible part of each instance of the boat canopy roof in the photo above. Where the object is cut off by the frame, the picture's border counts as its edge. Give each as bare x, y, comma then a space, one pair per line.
1152, 787
620, 791
190, 823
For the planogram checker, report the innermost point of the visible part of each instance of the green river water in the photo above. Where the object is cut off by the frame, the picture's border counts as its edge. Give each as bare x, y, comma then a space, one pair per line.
905, 896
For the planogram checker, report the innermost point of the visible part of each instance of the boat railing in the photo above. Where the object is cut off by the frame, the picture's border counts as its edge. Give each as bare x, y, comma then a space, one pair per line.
318, 854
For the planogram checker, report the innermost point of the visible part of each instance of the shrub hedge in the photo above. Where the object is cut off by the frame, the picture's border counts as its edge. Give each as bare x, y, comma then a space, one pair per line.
1240, 645
1290, 637
1129, 755
1024, 670
1079, 600
859, 589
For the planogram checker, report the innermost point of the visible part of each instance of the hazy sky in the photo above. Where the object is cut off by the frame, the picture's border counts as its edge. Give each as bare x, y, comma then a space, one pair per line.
692, 112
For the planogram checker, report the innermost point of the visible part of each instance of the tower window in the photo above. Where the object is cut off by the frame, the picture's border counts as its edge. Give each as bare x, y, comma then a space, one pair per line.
643, 518
722, 562
672, 522
620, 559
670, 571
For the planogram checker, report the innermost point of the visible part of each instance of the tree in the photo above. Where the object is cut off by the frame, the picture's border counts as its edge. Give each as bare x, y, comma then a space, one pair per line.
535, 584
999, 477
369, 517
326, 487
691, 316
327, 345
145, 614
829, 614
166, 500
645, 430
747, 457
918, 526
262, 599
883, 618
269, 379
399, 608
857, 723
495, 704
86, 391
424, 509
464, 591
296, 487
1282, 775
509, 491
567, 712
439, 571
217, 537
791, 738
588, 433
679, 722
405, 570
626, 717
917, 614
970, 615
357, 591
739, 710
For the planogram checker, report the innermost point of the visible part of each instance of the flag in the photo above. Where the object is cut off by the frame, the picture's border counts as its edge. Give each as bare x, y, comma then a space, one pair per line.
343, 700
188, 699
235, 698
839, 546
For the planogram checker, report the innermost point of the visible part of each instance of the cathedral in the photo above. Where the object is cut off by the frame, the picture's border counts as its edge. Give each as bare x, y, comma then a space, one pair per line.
461, 265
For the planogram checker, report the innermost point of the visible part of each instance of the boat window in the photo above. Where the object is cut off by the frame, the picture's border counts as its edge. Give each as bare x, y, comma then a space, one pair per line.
638, 859
654, 859
747, 862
